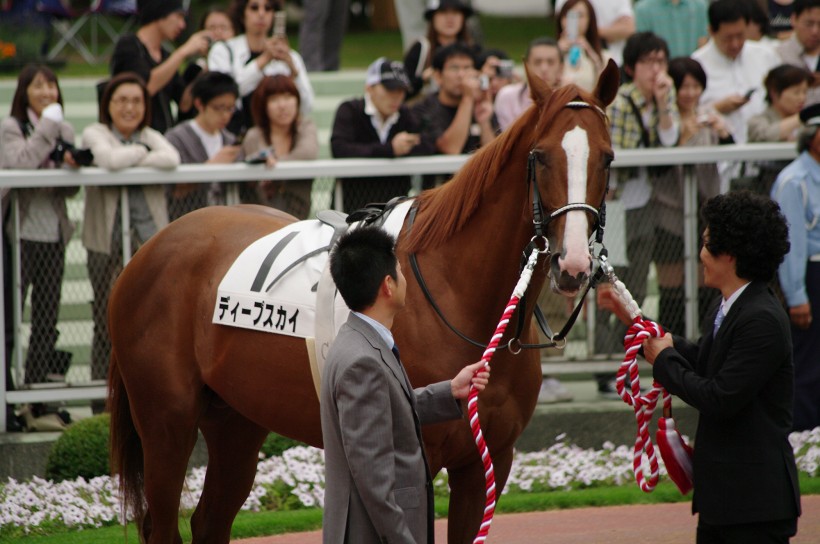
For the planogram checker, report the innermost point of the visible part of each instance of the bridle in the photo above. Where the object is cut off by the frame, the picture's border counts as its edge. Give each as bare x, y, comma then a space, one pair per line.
540, 228
598, 213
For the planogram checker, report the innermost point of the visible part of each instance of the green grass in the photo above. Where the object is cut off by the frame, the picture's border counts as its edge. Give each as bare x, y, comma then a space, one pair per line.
248, 525
360, 46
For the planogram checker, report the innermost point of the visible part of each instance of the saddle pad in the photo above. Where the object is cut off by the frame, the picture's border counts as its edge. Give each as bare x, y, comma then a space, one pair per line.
271, 286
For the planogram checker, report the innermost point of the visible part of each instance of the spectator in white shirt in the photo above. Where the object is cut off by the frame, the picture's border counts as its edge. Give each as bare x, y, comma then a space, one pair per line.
616, 22
735, 68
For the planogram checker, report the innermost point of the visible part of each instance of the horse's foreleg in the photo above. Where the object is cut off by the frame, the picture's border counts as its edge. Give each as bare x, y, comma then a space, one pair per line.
233, 449
468, 496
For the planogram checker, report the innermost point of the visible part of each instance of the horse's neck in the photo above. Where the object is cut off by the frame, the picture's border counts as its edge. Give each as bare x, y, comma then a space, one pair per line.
491, 243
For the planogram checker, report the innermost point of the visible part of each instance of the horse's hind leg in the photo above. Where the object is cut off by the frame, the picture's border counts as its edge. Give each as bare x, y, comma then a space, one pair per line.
233, 449
165, 470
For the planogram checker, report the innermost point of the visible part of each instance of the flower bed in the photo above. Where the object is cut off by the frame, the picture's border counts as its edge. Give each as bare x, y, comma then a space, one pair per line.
296, 480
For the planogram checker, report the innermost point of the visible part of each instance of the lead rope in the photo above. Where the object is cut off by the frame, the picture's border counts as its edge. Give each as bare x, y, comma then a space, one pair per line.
674, 450
472, 399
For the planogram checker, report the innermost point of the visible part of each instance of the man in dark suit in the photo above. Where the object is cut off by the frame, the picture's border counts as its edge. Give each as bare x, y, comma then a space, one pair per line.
740, 377
378, 486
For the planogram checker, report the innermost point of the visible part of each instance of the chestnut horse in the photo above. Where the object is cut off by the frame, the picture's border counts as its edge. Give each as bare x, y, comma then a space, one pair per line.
173, 372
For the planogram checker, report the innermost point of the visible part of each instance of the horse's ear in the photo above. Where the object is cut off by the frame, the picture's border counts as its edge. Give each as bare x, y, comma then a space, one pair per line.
539, 90
608, 83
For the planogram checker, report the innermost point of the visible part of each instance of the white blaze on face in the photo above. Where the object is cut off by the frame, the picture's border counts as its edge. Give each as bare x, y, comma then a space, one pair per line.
576, 248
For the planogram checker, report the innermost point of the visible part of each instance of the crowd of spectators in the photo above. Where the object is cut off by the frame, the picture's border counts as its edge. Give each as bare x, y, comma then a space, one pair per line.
694, 72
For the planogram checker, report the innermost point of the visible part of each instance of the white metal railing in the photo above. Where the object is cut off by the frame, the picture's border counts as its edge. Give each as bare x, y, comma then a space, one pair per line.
343, 168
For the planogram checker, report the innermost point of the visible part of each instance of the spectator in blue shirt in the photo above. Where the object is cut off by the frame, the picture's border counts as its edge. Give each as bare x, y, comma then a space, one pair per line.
797, 190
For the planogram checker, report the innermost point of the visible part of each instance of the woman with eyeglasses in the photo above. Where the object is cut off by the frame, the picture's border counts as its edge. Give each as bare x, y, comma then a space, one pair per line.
35, 136
204, 140
121, 139
257, 52
281, 133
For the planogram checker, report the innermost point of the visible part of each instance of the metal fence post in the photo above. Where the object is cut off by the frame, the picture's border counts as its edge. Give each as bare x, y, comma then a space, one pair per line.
690, 250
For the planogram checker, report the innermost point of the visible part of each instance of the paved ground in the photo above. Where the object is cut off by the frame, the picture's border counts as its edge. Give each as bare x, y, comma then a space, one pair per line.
658, 524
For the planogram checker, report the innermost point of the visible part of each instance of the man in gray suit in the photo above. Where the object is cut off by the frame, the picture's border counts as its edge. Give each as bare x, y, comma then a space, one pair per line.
378, 487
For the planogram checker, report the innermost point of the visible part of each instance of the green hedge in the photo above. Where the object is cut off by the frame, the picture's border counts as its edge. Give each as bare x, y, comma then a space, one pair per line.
82, 450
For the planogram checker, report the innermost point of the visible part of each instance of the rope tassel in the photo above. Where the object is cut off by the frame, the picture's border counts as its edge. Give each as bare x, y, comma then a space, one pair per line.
676, 454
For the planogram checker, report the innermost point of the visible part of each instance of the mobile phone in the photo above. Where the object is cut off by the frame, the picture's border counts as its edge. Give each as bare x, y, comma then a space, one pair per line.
483, 82
241, 136
749, 94
280, 23
703, 119
261, 157
573, 19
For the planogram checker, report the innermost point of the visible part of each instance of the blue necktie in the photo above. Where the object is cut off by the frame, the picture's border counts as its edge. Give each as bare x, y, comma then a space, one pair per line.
718, 320
395, 351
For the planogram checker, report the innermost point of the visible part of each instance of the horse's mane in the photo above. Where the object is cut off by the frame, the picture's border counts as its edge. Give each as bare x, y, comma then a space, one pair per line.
449, 207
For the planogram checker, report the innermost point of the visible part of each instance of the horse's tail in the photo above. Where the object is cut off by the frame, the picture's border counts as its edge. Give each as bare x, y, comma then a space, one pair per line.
126, 455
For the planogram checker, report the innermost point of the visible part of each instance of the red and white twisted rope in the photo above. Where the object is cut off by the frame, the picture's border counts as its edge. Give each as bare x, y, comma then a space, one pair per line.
644, 405
472, 399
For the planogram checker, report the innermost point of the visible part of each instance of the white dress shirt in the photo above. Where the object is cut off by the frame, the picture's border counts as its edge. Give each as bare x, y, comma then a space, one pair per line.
725, 76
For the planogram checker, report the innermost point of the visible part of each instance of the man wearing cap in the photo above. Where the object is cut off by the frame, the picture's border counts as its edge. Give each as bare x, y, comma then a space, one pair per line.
797, 190
160, 20
377, 125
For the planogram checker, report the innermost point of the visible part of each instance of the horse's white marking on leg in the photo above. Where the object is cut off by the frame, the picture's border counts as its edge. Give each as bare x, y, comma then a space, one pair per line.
576, 248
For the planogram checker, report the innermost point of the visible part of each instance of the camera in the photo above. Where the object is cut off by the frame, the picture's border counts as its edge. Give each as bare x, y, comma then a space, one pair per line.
504, 69
483, 82
83, 157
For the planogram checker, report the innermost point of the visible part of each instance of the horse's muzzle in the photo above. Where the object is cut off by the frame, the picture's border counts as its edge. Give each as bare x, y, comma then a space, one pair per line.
568, 281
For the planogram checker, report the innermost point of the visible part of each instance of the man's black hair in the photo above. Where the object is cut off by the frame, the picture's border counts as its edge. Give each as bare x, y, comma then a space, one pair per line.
544, 41
447, 52
750, 228
727, 11
641, 44
481, 58
210, 85
359, 263
799, 6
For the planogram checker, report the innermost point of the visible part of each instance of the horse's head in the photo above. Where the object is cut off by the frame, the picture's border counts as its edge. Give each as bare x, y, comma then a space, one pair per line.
569, 173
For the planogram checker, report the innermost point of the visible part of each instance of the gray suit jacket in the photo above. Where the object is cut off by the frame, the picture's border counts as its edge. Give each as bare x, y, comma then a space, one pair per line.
377, 484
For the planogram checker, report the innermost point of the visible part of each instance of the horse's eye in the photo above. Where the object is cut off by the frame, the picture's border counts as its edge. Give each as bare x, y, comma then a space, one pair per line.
539, 156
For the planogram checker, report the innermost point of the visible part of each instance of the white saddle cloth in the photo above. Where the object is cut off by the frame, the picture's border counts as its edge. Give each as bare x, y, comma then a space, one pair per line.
263, 291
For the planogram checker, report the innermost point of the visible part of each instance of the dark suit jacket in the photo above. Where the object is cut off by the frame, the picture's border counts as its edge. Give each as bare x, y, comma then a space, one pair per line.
742, 383
354, 137
377, 483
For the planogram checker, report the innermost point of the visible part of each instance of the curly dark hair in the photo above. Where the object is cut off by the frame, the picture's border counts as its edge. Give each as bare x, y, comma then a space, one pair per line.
749, 227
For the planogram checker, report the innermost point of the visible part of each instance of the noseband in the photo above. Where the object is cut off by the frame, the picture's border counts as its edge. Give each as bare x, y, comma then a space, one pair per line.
538, 214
